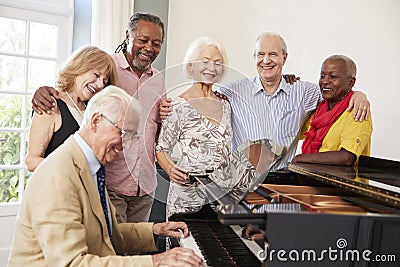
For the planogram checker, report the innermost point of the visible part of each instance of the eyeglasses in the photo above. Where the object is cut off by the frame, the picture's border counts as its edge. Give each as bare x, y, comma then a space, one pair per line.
128, 137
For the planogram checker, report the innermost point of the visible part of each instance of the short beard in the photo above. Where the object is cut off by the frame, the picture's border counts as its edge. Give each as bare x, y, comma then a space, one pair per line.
135, 63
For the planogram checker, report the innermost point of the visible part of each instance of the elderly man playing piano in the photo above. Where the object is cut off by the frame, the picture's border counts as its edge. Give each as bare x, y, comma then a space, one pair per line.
66, 218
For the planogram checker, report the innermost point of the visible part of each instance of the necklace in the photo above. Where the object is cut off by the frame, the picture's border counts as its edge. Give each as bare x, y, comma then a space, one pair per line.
75, 105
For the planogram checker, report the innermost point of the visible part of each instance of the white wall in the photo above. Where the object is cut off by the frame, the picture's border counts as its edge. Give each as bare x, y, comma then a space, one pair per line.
366, 30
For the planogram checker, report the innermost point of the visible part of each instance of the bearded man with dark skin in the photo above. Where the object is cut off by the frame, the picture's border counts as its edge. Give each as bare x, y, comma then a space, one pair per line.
131, 178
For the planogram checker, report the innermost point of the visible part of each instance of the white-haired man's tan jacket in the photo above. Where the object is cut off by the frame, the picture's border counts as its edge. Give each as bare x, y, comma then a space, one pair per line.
61, 221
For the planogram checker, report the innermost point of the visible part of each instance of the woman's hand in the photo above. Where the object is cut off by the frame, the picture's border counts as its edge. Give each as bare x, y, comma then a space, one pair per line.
178, 175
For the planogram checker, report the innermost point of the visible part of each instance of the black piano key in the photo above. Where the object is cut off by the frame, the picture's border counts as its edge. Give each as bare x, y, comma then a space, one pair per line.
220, 245
173, 242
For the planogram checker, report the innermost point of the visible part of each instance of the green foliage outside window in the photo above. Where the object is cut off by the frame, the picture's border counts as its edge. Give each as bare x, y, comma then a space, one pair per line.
10, 147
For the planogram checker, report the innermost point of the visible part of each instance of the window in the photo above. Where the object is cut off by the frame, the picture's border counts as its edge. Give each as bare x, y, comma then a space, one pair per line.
32, 46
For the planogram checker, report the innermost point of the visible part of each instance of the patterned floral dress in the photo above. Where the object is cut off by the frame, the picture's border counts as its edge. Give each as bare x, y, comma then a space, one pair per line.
202, 146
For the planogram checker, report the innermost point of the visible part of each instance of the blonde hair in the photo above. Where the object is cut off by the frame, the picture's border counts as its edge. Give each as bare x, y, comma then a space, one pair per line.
84, 60
193, 53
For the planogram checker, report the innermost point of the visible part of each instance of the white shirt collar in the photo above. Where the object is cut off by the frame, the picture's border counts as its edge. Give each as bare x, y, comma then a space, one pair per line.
283, 86
94, 164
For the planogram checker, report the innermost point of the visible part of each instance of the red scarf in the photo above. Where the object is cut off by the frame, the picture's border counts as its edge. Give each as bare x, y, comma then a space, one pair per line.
321, 122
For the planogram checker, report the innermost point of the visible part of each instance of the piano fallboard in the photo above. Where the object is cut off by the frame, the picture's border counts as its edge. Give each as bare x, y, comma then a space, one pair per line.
332, 240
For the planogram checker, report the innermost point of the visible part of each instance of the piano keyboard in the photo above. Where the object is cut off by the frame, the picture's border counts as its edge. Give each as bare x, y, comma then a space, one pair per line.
219, 245
189, 242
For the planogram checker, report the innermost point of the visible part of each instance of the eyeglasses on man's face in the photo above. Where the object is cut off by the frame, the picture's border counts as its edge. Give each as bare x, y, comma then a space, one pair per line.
128, 137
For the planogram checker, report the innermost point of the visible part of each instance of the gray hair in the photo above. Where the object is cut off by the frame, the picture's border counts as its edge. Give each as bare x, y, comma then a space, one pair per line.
193, 53
350, 66
270, 34
112, 101
135, 18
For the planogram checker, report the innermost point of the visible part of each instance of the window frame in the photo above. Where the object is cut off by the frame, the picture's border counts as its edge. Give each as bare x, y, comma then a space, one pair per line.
61, 16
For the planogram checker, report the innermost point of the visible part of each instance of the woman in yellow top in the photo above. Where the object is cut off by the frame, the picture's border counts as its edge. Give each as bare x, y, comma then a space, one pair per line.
333, 136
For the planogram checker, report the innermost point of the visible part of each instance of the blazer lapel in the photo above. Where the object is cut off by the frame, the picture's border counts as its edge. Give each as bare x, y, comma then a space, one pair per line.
90, 187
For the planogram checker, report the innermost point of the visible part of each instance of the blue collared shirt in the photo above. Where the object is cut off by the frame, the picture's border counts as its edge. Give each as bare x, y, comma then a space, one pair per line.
256, 115
93, 162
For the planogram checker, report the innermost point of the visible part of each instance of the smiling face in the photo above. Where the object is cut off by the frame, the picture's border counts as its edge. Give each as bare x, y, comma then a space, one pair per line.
89, 83
269, 58
334, 81
208, 67
143, 45
108, 140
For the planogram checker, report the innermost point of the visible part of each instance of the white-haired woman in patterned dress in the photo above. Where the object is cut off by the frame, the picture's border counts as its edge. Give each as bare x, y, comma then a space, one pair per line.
200, 124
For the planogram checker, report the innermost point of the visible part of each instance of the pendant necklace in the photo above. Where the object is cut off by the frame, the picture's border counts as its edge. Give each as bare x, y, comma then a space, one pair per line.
75, 105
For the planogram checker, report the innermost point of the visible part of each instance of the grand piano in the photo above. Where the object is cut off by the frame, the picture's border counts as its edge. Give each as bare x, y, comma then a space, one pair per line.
308, 215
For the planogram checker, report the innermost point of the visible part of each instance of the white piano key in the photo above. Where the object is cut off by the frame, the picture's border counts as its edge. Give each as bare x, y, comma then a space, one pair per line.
189, 242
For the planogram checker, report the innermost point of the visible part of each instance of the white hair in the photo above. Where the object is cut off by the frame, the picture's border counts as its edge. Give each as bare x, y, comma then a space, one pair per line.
112, 101
193, 53
270, 34
351, 68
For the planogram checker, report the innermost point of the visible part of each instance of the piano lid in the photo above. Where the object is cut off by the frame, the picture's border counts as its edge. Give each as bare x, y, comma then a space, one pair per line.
378, 179
250, 165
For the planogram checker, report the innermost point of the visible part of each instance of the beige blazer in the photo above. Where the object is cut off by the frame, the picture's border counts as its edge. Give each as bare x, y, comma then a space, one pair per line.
61, 221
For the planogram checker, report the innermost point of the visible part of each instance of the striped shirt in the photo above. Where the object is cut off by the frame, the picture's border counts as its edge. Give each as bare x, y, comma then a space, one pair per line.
279, 118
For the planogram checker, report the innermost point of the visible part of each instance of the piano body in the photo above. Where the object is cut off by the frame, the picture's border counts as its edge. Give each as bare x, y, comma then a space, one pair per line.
312, 215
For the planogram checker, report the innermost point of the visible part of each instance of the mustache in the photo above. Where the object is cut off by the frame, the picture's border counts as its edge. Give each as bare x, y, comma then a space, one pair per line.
151, 54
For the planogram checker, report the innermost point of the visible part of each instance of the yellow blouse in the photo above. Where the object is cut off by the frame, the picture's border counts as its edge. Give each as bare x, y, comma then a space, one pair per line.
354, 136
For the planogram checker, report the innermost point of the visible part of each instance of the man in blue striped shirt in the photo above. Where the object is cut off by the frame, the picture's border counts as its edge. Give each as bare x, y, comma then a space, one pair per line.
267, 107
